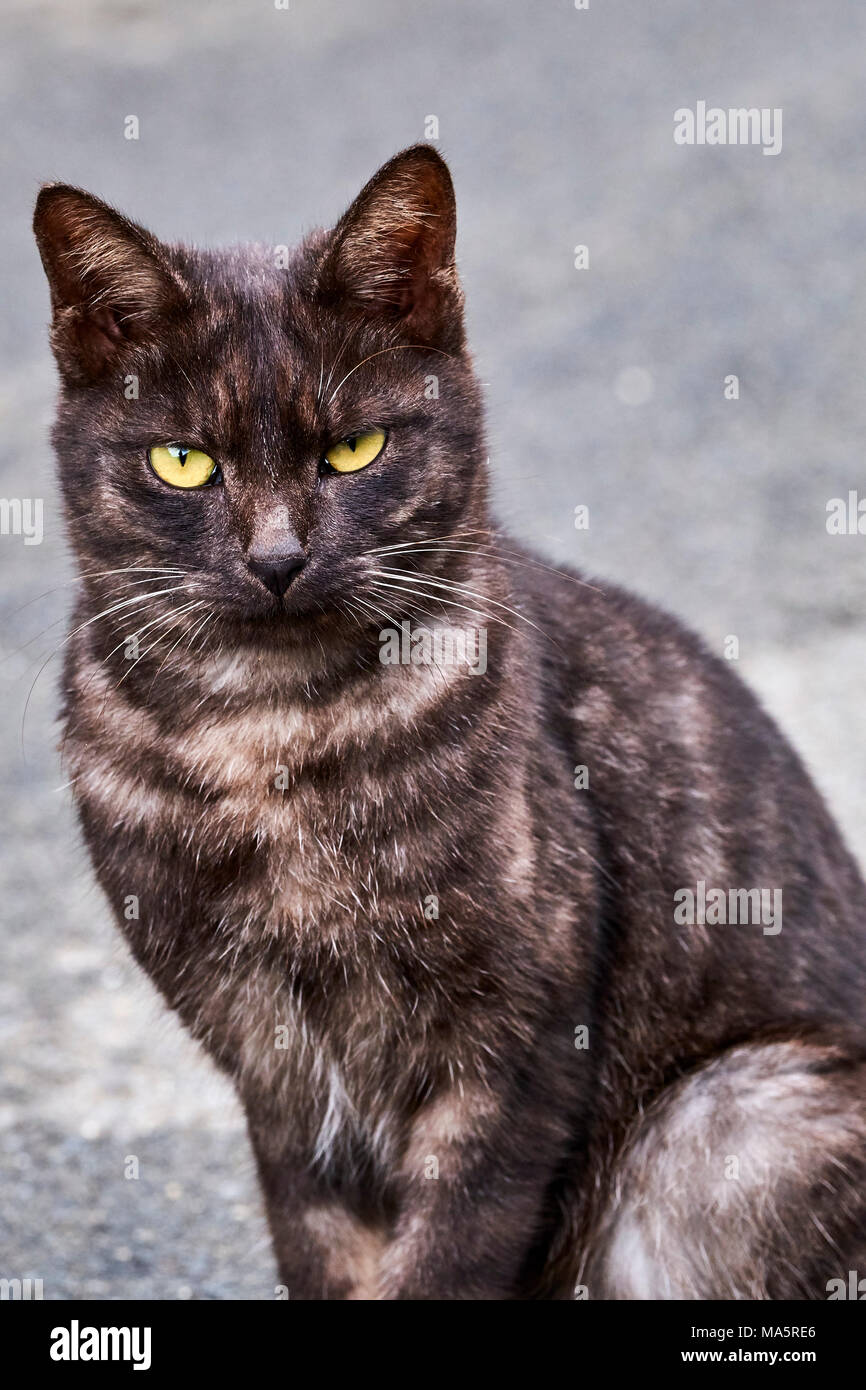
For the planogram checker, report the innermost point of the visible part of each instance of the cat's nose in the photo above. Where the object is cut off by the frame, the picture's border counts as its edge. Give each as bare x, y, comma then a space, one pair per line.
276, 569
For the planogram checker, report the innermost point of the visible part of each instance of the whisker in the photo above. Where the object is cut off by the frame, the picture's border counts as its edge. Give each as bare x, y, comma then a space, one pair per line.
398, 347
133, 583
154, 623
98, 574
423, 540
349, 608
137, 599
494, 554
452, 587
201, 628
375, 609
452, 603
184, 633
177, 614
353, 328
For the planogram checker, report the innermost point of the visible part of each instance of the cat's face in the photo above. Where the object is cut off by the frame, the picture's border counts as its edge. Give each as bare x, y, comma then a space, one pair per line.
263, 428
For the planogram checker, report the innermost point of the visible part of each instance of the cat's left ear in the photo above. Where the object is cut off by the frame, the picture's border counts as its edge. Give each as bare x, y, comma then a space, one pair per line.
112, 283
392, 253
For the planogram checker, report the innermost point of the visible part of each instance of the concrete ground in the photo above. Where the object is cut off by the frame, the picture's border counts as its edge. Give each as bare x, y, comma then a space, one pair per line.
605, 388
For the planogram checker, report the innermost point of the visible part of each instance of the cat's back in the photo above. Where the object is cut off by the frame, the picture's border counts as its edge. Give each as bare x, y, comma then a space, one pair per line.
730, 897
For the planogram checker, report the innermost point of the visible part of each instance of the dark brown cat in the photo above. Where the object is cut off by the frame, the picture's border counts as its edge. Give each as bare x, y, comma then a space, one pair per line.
461, 933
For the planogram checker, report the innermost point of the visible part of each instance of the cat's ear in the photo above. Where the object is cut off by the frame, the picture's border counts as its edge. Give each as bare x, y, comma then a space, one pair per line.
392, 253
111, 281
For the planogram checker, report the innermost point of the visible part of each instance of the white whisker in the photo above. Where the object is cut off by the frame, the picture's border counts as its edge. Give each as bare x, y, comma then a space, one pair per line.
398, 347
451, 586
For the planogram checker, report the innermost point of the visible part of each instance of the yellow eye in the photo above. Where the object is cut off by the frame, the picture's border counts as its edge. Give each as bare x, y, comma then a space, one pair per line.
182, 467
356, 452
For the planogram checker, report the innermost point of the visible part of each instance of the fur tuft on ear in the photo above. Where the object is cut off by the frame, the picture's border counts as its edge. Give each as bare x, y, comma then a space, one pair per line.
111, 281
392, 252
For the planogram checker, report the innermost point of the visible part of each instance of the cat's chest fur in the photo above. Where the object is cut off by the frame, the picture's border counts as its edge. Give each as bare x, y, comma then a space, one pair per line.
309, 784
283, 852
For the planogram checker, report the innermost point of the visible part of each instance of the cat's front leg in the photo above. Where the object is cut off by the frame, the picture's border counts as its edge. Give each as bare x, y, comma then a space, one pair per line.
323, 1249
473, 1181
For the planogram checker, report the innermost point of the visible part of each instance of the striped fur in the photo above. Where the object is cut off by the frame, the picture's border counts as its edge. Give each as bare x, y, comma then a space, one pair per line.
374, 892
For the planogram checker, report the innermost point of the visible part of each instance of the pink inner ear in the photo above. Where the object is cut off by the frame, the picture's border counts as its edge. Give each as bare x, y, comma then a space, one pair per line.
105, 321
110, 279
92, 337
398, 271
394, 247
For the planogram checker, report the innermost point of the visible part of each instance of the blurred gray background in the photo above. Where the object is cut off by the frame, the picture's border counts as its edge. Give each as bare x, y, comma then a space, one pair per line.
605, 387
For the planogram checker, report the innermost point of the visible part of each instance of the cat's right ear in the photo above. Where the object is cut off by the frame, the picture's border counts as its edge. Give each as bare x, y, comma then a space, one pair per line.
111, 282
391, 255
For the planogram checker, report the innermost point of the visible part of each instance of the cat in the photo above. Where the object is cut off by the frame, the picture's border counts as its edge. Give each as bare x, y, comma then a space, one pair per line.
425, 914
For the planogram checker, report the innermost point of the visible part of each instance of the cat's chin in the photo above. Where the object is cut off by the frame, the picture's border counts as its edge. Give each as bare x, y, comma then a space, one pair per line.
284, 625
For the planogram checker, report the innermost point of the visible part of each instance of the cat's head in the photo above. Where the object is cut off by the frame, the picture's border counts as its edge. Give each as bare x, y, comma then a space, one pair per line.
262, 422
